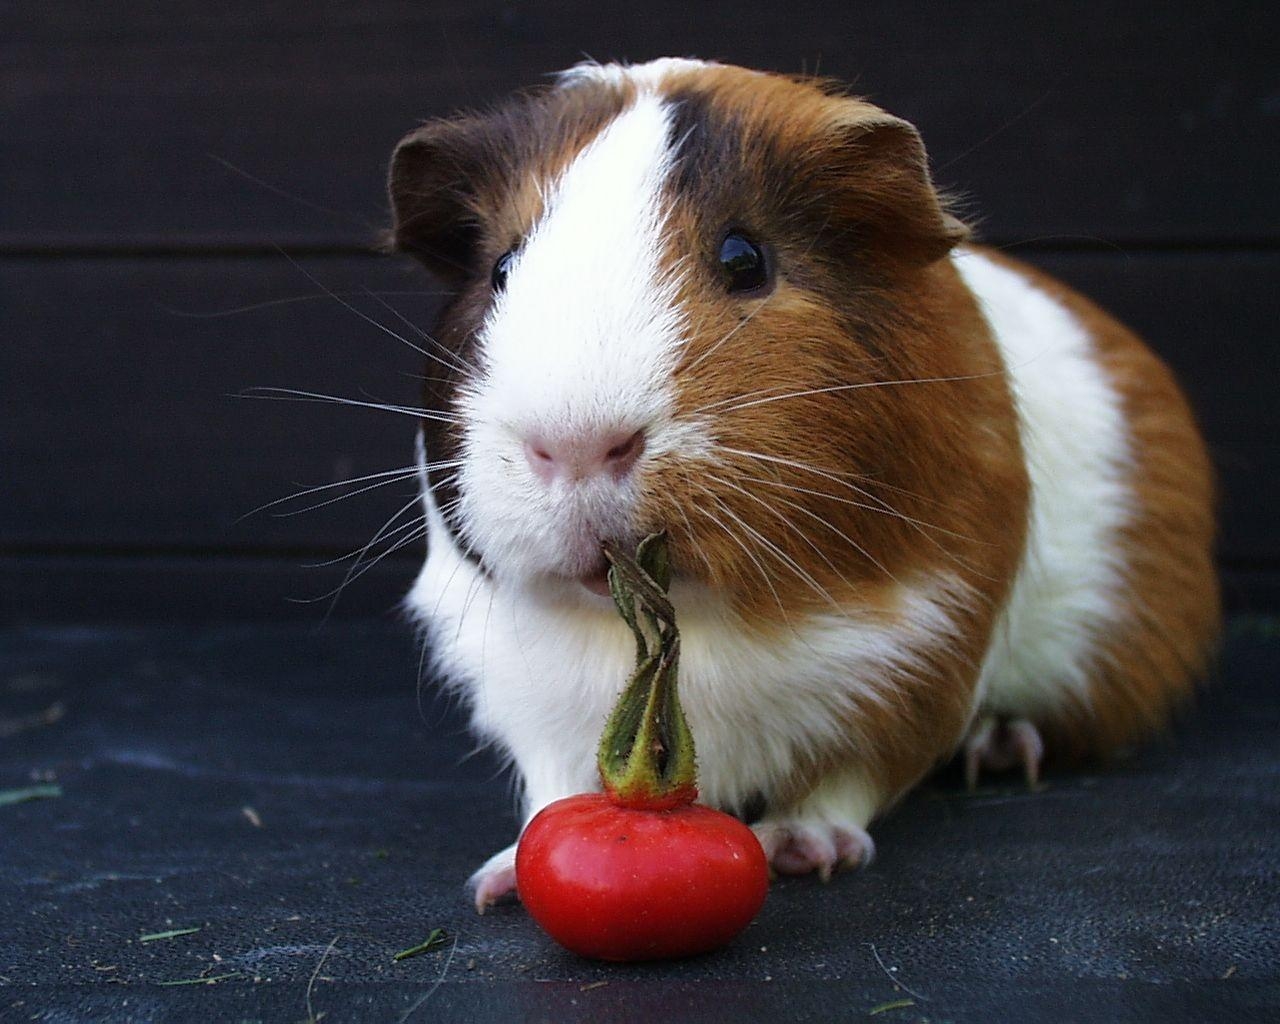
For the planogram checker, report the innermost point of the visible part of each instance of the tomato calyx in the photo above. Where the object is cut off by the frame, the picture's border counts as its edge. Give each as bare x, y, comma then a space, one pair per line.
646, 758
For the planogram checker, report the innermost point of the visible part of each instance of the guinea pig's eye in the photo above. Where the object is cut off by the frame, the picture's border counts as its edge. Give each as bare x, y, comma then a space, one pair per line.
501, 269
745, 267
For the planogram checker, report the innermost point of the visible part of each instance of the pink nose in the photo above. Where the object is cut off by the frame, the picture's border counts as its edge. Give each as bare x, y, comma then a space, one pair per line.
607, 452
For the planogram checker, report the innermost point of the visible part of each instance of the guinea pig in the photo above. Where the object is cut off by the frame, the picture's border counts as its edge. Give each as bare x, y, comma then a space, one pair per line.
921, 499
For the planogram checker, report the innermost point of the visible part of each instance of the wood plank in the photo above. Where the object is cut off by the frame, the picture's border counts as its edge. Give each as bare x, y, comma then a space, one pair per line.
1132, 121
123, 417
126, 435
95, 588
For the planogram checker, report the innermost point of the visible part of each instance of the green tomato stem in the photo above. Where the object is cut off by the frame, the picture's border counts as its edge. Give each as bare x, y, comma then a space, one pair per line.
647, 758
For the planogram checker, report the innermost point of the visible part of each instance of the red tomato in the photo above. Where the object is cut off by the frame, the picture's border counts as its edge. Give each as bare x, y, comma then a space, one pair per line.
617, 883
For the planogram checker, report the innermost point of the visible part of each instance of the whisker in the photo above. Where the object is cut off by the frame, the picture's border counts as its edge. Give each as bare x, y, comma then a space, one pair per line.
884, 510
347, 215
689, 526
839, 533
295, 395
356, 310
343, 497
764, 573
381, 532
469, 549
484, 632
446, 481
802, 535
741, 324
459, 363
418, 530
1003, 128
472, 589
881, 505
357, 552
777, 552
284, 301
424, 378
354, 572
738, 398
919, 525
861, 385
354, 575
843, 475
325, 487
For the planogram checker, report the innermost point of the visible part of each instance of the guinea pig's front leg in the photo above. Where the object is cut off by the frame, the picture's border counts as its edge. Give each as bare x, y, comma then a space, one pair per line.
823, 832
546, 777
495, 879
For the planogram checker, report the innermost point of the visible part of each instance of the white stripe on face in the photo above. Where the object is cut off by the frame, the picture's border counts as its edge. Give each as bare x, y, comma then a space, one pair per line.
585, 337
586, 326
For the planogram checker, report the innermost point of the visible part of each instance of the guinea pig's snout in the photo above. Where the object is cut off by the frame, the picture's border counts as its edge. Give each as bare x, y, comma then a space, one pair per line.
612, 453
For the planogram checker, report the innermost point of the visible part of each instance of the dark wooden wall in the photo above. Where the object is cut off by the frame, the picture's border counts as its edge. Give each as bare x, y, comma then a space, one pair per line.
180, 183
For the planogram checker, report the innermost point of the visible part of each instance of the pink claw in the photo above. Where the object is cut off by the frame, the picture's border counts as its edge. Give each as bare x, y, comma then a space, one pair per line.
492, 885
821, 849
998, 744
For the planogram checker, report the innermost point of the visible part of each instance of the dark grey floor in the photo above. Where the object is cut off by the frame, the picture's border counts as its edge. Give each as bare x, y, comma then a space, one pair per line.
283, 790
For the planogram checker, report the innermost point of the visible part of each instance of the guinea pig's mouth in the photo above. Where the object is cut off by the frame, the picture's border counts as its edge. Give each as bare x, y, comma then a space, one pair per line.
597, 580
590, 568
596, 577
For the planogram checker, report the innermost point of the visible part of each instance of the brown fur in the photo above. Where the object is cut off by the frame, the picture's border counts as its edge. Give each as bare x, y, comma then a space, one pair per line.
859, 490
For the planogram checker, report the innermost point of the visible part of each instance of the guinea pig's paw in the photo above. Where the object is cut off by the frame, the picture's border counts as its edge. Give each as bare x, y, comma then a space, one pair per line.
802, 846
999, 744
496, 879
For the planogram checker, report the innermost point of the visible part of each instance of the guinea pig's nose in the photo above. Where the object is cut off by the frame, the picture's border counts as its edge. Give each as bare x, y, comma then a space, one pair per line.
579, 456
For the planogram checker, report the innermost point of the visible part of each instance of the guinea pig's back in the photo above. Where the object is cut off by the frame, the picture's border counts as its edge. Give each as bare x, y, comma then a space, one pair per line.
1115, 608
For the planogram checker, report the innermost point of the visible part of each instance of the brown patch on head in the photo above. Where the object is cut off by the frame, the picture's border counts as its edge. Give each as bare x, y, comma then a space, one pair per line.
863, 429
865, 439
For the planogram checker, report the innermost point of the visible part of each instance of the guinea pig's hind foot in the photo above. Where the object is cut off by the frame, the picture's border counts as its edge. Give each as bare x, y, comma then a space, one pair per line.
795, 846
496, 879
999, 744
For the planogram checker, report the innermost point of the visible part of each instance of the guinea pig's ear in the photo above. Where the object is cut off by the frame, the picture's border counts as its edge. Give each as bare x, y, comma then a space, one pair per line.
879, 177
432, 188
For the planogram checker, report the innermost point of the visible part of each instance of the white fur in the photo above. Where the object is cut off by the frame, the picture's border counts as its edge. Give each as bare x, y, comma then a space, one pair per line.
541, 665
1078, 458
644, 76
582, 341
